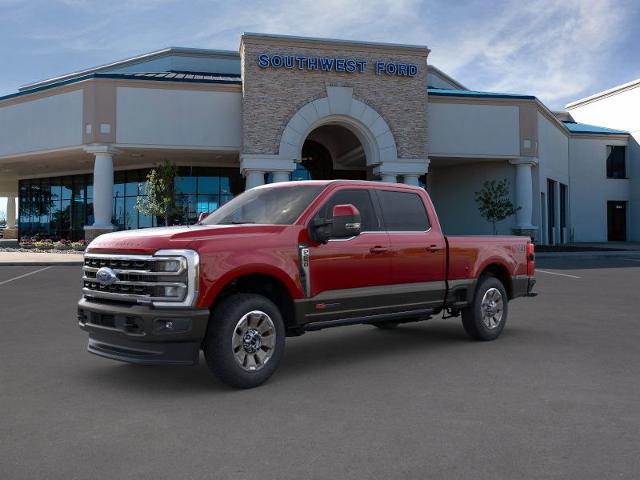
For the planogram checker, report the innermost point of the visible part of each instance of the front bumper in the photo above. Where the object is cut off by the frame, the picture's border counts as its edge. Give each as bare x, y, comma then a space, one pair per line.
143, 334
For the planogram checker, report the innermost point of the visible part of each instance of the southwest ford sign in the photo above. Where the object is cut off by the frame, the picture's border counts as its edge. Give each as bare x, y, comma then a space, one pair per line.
334, 64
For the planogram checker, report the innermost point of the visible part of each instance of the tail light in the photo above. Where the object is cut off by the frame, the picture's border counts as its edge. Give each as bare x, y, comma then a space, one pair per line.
531, 260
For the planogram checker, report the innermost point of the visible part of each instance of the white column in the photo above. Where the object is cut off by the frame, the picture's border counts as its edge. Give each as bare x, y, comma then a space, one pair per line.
102, 186
11, 212
253, 178
280, 176
410, 169
409, 179
253, 166
524, 192
389, 177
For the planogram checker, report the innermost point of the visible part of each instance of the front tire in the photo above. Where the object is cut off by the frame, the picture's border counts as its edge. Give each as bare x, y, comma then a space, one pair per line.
485, 318
245, 340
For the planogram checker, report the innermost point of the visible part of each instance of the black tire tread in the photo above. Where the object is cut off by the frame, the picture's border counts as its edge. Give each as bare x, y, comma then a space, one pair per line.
216, 345
471, 316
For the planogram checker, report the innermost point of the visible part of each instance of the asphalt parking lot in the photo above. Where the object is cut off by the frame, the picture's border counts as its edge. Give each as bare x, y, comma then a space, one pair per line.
557, 396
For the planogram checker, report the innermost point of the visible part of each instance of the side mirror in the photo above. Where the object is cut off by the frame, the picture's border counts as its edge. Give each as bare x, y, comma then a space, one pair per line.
346, 221
202, 216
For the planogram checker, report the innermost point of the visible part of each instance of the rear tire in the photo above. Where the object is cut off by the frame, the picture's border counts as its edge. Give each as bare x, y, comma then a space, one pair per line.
485, 318
245, 340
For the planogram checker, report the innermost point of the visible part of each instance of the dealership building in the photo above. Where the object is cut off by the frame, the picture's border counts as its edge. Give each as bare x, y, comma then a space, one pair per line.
74, 150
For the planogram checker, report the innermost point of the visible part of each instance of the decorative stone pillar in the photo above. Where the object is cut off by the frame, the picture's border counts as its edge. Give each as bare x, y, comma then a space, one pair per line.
253, 178
524, 195
280, 176
102, 191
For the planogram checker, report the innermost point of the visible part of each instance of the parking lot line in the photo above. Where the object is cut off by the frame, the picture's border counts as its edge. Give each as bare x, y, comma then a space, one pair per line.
25, 275
556, 273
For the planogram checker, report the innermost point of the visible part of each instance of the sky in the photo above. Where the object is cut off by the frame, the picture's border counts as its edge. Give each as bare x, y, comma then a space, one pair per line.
558, 50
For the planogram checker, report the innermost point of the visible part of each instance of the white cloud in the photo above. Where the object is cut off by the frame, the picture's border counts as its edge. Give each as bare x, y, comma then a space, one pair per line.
552, 49
555, 49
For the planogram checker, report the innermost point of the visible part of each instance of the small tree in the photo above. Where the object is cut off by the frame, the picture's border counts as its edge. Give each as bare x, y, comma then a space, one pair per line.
160, 200
494, 203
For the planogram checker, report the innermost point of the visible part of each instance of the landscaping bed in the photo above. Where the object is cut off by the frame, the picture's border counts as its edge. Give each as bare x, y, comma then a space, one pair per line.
47, 245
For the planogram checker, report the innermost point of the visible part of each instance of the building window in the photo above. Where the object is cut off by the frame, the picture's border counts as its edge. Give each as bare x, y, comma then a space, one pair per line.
60, 207
616, 161
564, 203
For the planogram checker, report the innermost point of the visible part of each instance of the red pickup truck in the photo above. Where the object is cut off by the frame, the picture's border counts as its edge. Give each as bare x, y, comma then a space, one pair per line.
287, 258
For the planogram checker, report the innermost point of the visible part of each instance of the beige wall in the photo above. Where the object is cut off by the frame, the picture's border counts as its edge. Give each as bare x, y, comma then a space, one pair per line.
45, 123
179, 117
473, 129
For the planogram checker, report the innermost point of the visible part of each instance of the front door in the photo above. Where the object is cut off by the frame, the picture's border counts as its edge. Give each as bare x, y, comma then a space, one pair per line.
350, 276
617, 221
419, 253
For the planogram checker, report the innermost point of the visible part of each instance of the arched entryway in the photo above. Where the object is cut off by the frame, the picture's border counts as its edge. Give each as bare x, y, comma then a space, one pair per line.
336, 136
333, 152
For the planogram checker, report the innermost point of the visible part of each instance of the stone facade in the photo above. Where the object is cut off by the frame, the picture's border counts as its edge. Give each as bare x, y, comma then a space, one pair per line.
272, 96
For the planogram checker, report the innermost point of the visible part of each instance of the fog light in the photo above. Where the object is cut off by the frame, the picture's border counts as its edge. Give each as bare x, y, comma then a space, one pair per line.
171, 325
170, 292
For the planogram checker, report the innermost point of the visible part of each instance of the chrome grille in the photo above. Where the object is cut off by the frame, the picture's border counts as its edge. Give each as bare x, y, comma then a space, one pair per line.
168, 278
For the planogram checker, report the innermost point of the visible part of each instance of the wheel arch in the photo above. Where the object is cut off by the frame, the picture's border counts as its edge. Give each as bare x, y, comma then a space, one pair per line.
258, 281
501, 272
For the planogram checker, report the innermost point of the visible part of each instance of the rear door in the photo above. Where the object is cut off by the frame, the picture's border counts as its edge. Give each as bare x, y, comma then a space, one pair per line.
350, 277
418, 252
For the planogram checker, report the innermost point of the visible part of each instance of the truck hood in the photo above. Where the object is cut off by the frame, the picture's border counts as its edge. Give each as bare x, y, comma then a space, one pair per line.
149, 240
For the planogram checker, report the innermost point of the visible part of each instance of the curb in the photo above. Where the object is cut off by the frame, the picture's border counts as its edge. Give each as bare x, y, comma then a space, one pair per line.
616, 253
41, 264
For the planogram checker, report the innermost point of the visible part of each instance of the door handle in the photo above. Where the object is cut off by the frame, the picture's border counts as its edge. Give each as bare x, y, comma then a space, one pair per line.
378, 249
433, 248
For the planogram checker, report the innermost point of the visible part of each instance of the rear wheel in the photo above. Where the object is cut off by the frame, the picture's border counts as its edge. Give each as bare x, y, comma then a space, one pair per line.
485, 318
245, 340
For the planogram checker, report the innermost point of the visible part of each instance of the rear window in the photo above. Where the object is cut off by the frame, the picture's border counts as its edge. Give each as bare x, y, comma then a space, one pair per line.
403, 211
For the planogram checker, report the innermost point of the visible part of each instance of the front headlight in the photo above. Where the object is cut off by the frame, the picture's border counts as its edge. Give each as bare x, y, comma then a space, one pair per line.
182, 280
170, 266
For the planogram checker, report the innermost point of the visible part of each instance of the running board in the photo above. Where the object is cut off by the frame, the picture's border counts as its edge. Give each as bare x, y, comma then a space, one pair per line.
408, 316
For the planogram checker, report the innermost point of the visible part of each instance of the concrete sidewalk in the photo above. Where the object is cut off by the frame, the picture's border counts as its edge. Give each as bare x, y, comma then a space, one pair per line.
593, 253
37, 259
620, 249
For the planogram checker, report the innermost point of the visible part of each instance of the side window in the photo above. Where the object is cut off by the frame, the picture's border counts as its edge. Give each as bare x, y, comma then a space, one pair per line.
403, 211
616, 160
361, 199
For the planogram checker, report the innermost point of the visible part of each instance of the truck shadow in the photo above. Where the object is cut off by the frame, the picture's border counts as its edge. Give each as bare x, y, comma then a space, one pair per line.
304, 356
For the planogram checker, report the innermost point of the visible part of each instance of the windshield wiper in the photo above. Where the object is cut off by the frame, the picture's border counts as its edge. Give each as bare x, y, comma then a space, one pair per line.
237, 222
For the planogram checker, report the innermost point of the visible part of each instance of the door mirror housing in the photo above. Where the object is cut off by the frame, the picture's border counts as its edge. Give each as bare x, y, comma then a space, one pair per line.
202, 216
347, 221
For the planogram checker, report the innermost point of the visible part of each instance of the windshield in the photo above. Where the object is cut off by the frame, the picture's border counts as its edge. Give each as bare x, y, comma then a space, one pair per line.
276, 205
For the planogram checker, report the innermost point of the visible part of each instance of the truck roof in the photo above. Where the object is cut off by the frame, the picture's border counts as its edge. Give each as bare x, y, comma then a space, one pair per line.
369, 183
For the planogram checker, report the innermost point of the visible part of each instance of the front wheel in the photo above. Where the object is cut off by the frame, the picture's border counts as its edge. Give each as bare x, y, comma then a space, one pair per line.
484, 319
245, 340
